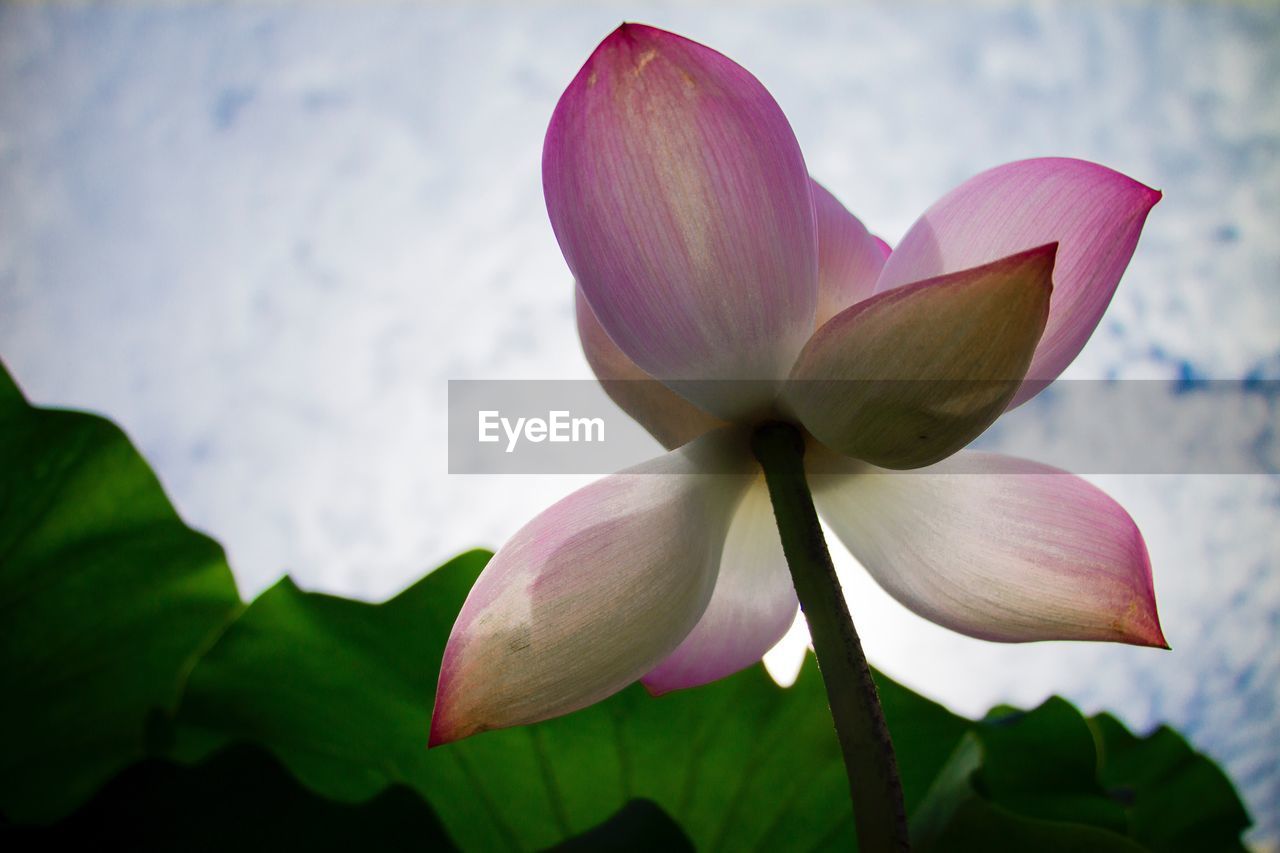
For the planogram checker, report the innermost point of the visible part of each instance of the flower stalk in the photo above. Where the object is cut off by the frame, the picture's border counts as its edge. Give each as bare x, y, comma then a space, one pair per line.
874, 785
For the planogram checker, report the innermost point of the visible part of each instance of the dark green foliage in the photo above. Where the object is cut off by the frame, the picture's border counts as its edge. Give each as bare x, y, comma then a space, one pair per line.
106, 599
239, 799
1176, 800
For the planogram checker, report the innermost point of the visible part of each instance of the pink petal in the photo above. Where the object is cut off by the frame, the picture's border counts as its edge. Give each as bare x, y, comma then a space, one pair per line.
753, 604
1093, 213
590, 595
681, 202
849, 258
668, 417
908, 377
998, 548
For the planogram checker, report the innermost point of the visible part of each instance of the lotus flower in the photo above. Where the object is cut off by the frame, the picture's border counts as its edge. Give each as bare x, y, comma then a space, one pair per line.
705, 254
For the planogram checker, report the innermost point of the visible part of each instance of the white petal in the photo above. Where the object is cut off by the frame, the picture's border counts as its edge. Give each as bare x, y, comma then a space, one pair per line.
753, 604
591, 594
998, 548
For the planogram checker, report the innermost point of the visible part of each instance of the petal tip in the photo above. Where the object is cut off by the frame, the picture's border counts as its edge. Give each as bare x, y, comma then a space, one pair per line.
1144, 198
626, 31
631, 29
440, 733
1141, 625
632, 34
616, 54
1143, 616
1151, 637
1041, 261
1145, 629
1136, 198
1149, 196
444, 726
1045, 255
653, 688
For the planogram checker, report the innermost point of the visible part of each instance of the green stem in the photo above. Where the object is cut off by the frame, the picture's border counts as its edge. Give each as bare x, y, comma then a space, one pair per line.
874, 785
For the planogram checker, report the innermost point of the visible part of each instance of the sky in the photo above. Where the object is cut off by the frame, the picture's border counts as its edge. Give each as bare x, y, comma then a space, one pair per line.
263, 238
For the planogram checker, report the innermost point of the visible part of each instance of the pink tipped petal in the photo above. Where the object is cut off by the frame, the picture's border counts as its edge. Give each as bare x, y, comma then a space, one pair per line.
681, 202
908, 377
1093, 213
668, 417
885, 249
752, 607
998, 548
849, 258
590, 595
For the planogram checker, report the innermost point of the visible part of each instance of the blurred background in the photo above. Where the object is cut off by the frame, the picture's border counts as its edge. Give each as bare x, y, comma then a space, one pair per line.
262, 238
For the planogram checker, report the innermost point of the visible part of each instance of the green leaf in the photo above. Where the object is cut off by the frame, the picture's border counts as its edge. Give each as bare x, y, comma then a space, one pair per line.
979, 826
1049, 779
106, 597
1022, 781
1177, 800
1043, 764
239, 799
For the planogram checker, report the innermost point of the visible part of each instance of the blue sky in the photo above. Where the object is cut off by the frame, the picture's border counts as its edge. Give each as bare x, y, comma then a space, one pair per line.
263, 238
